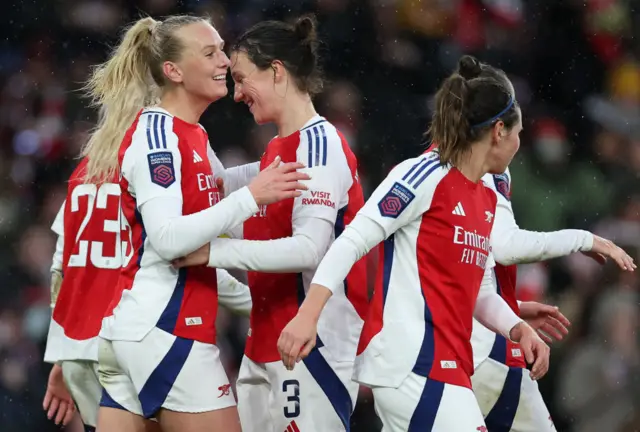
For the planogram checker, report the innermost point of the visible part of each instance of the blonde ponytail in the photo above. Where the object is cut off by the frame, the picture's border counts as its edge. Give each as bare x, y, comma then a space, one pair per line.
120, 87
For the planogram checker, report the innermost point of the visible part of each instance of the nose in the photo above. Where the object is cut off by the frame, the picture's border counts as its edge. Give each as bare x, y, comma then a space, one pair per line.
224, 60
237, 93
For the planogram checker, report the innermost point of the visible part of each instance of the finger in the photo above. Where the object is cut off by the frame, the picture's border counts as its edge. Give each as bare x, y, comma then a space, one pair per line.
274, 164
286, 348
556, 324
306, 350
528, 354
53, 408
47, 400
557, 315
294, 186
541, 365
544, 337
549, 329
290, 167
295, 176
62, 411
293, 354
179, 262
69, 415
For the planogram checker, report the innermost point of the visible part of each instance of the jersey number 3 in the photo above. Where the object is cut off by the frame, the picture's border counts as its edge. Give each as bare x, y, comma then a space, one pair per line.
291, 389
97, 197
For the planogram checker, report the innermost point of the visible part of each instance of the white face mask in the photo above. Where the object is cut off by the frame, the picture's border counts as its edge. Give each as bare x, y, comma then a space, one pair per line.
551, 149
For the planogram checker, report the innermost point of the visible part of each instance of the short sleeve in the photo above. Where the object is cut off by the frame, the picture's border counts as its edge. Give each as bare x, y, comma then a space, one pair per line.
321, 151
406, 193
152, 163
58, 223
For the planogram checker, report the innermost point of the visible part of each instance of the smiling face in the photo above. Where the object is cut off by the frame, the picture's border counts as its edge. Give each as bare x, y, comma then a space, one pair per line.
257, 88
202, 67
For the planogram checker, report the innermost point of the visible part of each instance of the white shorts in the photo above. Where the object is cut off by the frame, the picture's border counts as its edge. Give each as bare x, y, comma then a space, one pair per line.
509, 399
81, 379
422, 405
163, 371
317, 395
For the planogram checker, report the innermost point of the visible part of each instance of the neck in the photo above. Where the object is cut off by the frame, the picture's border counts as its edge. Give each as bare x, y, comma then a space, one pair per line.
295, 114
474, 164
184, 106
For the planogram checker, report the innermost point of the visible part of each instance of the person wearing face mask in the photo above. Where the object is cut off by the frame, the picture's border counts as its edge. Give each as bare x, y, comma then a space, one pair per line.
156, 352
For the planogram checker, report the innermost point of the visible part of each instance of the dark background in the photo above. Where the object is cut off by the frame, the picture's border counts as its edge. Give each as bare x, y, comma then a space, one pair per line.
577, 75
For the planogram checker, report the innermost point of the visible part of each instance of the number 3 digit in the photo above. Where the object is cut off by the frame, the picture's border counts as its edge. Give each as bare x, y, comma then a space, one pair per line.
295, 399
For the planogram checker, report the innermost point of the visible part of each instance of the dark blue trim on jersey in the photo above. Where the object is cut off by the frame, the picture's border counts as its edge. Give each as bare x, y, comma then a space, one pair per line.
417, 171
325, 376
107, 401
499, 350
143, 236
427, 174
155, 391
330, 384
88, 428
388, 248
324, 145
317, 146
316, 133
424, 362
310, 149
501, 416
149, 140
426, 411
164, 135
313, 124
155, 130
169, 317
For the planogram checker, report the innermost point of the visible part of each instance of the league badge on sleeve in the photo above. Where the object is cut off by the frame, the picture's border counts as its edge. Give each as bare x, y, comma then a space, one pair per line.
395, 201
161, 168
502, 185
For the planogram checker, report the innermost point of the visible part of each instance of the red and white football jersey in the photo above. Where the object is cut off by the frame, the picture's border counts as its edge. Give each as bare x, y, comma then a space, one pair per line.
335, 195
437, 225
89, 224
163, 156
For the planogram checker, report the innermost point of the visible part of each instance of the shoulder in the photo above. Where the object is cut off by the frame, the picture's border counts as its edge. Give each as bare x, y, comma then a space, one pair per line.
499, 183
152, 130
321, 144
422, 172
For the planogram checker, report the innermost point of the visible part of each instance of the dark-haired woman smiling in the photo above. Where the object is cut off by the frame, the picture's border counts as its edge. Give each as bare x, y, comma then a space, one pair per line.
275, 69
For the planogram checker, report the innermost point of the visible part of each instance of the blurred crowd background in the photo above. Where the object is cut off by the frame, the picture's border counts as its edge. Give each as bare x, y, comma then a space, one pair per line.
576, 68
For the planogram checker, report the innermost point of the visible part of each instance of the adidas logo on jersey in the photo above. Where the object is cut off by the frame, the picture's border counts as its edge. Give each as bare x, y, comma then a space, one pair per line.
292, 427
193, 321
458, 210
196, 157
448, 364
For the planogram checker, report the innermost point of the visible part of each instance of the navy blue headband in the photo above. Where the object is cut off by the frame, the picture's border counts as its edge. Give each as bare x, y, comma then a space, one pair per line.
495, 117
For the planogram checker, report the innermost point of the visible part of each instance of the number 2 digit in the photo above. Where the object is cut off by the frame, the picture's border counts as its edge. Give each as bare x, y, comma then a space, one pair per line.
294, 399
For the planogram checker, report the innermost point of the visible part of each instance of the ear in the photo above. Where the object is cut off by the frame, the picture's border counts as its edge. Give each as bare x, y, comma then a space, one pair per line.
279, 71
172, 71
497, 132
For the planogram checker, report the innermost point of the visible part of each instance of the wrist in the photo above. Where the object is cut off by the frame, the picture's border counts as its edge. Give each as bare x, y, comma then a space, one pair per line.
517, 331
312, 306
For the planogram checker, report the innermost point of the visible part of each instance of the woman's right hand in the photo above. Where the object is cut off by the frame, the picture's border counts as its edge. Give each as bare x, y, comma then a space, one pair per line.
278, 182
603, 249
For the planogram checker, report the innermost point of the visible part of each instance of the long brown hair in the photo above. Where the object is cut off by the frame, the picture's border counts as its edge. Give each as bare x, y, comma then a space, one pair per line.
468, 103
